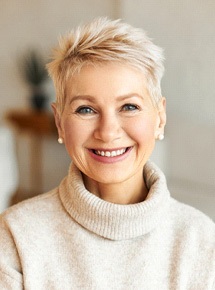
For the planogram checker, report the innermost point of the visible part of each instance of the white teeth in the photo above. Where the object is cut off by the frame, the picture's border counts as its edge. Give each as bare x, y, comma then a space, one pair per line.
110, 153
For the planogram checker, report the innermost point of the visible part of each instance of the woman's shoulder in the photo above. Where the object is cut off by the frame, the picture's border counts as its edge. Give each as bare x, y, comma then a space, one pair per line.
32, 207
191, 221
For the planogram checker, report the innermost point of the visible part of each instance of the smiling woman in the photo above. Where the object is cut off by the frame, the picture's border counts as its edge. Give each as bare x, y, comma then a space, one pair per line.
102, 125
112, 218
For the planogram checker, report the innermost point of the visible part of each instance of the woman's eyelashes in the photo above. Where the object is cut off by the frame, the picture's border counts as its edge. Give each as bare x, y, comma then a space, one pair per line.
130, 107
84, 110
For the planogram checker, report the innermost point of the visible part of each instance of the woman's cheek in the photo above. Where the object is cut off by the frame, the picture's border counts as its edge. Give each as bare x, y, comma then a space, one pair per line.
143, 130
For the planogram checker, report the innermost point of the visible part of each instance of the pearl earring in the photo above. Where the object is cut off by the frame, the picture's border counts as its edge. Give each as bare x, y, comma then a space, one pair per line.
60, 140
160, 137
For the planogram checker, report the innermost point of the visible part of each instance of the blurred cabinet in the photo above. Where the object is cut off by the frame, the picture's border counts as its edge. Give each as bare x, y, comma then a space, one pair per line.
37, 125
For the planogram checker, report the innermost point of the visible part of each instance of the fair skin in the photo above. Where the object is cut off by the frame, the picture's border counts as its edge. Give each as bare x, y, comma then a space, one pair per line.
109, 126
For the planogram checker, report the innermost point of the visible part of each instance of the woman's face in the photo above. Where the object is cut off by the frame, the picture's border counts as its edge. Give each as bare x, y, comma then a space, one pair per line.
109, 124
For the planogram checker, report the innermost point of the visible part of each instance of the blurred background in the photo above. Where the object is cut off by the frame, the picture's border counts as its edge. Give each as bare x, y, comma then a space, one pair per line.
32, 162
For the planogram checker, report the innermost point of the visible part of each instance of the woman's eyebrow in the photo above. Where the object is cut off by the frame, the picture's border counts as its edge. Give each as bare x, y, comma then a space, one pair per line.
93, 99
82, 97
124, 97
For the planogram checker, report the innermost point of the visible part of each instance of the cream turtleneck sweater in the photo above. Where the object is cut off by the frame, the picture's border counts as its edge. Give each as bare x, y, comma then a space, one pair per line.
71, 239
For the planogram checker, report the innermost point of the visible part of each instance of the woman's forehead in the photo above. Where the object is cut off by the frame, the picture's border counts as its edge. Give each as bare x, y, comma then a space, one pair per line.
111, 77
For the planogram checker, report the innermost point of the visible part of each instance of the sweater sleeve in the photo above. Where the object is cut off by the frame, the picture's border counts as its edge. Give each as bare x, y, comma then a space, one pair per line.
10, 268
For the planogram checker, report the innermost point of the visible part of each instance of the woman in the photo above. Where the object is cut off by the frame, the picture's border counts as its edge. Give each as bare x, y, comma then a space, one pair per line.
111, 223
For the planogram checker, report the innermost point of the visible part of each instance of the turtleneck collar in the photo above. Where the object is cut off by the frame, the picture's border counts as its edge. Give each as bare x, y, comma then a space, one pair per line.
114, 221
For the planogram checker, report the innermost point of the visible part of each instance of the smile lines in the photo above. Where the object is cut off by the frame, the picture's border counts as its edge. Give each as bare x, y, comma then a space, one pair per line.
113, 153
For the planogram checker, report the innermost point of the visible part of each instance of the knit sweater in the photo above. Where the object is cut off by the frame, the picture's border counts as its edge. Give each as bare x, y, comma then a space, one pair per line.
71, 239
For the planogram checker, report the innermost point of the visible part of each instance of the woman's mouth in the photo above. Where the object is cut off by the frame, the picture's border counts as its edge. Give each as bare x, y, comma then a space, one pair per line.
110, 153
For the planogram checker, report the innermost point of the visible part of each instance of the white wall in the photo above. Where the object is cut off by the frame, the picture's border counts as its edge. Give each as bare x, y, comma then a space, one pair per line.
8, 167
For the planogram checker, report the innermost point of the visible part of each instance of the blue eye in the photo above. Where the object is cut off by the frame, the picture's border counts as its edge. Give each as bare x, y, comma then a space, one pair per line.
85, 110
129, 107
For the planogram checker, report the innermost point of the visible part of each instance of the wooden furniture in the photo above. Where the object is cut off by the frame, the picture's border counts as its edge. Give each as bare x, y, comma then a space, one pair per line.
37, 125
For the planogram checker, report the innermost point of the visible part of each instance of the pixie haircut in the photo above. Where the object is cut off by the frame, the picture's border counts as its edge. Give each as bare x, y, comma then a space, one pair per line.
104, 41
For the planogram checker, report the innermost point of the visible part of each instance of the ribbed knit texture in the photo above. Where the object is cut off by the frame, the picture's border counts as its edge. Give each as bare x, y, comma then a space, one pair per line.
71, 239
114, 221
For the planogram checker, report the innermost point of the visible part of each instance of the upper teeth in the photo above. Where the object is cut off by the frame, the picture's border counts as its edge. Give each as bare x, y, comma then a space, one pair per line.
110, 153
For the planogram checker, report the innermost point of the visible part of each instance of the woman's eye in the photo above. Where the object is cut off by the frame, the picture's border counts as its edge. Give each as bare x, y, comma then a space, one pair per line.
85, 110
129, 107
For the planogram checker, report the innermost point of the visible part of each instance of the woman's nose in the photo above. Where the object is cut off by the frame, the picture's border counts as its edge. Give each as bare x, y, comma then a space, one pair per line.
108, 128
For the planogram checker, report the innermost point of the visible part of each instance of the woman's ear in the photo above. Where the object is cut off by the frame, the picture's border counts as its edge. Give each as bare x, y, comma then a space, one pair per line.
57, 120
161, 117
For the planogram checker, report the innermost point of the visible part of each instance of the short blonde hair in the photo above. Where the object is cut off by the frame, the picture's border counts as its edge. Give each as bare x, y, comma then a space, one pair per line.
103, 41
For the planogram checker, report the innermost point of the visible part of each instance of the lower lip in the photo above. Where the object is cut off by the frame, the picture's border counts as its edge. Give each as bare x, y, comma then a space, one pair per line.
110, 160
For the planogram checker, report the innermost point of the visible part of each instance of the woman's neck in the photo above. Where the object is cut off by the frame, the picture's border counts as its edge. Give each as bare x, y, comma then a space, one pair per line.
131, 191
